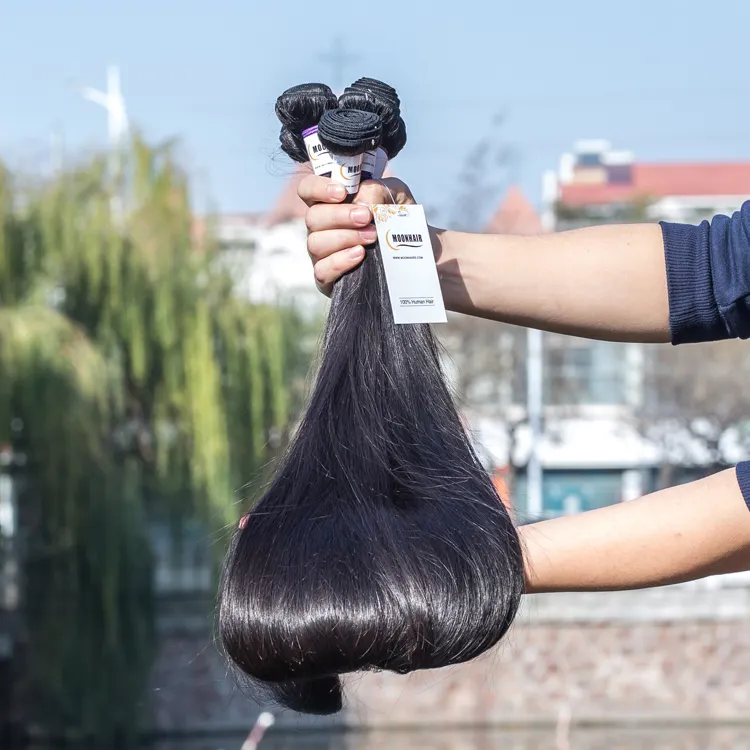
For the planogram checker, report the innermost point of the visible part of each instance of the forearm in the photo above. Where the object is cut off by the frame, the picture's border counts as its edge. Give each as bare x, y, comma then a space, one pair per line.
675, 535
599, 282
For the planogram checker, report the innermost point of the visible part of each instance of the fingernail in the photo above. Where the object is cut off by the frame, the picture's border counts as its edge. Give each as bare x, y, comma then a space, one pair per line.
336, 191
368, 235
356, 252
360, 215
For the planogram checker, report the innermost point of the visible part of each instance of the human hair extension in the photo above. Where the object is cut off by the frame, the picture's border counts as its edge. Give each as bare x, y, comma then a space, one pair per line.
381, 542
298, 108
349, 132
373, 84
370, 95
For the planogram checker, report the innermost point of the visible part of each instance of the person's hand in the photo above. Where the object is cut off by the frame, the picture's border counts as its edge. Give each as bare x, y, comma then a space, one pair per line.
338, 234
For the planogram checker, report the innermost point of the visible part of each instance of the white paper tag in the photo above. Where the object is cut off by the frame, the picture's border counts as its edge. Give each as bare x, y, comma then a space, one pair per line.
369, 162
320, 157
410, 270
381, 162
347, 171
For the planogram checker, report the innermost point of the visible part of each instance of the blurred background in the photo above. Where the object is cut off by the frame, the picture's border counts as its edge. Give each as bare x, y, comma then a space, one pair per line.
158, 319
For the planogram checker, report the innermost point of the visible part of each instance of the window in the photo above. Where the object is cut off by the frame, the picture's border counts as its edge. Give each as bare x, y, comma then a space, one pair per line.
584, 373
183, 565
672, 476
620, 174
565, 492
589, 160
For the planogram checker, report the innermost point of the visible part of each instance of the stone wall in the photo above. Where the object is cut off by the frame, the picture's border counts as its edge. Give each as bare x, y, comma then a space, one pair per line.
679, 654
609, 738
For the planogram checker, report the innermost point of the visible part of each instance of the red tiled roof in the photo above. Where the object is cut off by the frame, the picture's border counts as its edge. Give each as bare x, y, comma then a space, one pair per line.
660, 180
515, 215
289, 205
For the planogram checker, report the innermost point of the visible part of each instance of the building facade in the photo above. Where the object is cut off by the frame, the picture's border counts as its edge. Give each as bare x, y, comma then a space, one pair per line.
594, 448
666, 656
266, 254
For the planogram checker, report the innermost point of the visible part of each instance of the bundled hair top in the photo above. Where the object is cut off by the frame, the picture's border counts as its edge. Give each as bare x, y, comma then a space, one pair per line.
369, 95
298, 108
381, 543
349, 132
385, 91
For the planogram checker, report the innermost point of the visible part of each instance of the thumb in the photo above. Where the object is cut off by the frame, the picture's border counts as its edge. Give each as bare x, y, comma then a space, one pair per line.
387, 190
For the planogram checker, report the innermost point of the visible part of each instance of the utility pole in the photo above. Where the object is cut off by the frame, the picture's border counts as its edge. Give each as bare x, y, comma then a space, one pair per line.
535, 376
113, 102
534, 406
338, 58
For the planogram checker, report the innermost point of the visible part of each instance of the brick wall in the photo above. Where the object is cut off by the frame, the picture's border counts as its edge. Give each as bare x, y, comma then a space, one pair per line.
725, 738
680, 654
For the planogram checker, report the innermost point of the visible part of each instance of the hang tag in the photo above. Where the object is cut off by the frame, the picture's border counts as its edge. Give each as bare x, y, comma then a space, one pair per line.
410, 270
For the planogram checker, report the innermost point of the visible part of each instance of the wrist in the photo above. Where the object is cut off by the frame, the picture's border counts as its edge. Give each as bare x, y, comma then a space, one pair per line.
450, 249
531, 584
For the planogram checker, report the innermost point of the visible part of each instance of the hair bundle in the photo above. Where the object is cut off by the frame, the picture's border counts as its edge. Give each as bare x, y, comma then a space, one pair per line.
381, 543
370, 96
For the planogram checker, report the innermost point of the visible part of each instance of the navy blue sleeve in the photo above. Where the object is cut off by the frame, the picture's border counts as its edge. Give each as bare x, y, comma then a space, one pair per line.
743, 477
708, 278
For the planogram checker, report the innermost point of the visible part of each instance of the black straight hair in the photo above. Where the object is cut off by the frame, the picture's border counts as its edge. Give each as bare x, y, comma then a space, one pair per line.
381, 543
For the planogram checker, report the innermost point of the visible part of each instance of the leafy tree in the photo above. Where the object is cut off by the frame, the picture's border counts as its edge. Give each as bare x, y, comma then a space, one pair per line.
136, 386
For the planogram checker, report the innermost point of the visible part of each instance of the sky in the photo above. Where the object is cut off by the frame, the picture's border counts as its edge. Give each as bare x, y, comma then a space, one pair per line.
662, 78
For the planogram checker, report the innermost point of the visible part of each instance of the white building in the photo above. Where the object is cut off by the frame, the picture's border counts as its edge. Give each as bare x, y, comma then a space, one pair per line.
267, 253
591, 451
599, 182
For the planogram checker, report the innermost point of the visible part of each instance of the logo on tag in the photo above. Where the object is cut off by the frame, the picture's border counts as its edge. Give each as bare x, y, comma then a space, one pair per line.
317, 151
350, 171
397, 240
320, 157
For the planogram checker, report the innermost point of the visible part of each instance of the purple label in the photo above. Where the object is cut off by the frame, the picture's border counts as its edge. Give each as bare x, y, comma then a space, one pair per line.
310, 131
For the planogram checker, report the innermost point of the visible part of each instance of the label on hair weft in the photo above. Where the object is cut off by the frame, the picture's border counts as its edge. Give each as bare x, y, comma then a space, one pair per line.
381, 162
409, 263
347, 171
369, 162
320, 157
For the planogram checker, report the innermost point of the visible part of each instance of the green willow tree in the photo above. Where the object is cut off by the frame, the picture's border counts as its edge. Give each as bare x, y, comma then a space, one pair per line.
138, 387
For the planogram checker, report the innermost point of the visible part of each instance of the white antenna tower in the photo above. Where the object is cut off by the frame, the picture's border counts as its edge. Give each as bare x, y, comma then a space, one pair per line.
112, 100
117, 127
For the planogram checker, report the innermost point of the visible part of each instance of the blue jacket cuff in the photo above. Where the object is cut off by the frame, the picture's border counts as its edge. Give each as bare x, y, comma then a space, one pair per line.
743, 477
693, 311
